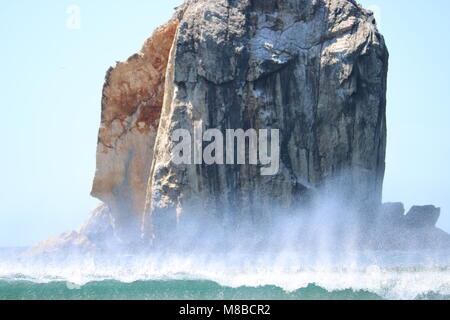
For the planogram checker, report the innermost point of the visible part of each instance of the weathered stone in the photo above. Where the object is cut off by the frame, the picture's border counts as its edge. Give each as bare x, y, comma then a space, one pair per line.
131, 107
94, 237
422, 216
391, 214
314, 69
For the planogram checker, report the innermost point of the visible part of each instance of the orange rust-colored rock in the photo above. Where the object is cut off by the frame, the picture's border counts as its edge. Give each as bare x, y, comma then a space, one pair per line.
131, 106
140, 80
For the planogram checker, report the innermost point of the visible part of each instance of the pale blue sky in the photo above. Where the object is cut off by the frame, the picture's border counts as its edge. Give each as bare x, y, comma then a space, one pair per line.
51, 82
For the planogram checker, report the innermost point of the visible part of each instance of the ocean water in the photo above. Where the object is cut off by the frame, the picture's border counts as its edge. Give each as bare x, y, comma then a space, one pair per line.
364, 275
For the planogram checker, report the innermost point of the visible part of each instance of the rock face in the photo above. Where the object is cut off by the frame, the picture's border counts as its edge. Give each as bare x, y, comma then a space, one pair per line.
415, 230
316, 70
131, 107
391, 214
423, 216
94, 237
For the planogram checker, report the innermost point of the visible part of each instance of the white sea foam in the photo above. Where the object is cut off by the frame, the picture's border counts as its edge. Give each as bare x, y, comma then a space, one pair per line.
320, 246
378, 272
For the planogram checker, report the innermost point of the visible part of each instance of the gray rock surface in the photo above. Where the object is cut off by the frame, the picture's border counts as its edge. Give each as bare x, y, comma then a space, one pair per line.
391, 214
422, 216
314, 69
414, 231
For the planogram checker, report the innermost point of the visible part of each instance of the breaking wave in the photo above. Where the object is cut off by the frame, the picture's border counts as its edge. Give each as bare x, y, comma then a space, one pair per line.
369, 275
317, 255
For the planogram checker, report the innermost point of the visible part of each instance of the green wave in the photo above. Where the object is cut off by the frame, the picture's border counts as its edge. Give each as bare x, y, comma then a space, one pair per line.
166, 290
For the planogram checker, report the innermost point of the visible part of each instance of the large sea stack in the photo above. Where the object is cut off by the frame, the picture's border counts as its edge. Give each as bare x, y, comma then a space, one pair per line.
314, 69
